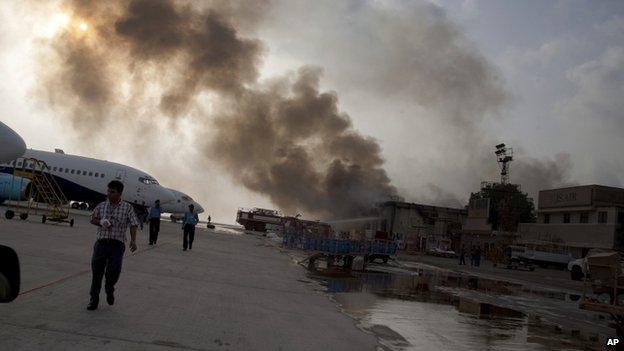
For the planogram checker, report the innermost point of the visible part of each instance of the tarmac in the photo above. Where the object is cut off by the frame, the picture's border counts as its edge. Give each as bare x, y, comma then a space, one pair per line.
231, 292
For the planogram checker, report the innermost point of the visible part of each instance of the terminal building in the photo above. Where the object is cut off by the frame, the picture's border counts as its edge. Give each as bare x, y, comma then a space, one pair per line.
418, 227
577, 219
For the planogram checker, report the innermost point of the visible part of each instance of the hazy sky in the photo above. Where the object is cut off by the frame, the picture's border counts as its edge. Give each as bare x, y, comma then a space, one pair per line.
437, 84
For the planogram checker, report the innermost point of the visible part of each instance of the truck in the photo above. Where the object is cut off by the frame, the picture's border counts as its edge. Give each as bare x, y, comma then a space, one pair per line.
258, 219
541, 258
578, 267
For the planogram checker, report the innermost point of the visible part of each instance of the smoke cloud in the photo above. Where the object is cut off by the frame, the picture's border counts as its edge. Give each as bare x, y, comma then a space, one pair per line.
134, 63
291, 142
425, 68
284, 139
541, 174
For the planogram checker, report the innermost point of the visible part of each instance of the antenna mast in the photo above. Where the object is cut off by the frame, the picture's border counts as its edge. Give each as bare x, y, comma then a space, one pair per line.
504, 156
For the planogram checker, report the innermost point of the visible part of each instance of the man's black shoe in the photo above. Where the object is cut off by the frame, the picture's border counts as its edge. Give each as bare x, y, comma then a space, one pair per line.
93, 305
110, 299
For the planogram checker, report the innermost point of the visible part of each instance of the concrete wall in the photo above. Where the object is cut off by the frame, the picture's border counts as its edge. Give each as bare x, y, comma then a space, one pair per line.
591, 235
423, 220
575, 215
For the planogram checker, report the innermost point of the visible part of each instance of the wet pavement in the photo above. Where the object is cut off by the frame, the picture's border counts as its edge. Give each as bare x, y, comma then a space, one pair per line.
235, 291
411, 308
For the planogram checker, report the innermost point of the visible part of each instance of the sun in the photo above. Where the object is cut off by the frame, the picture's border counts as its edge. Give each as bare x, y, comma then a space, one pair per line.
83, 26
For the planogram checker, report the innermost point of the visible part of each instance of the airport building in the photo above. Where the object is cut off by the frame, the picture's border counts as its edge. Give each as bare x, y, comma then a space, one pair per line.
477, 229
422, 226
578, 218
416, 226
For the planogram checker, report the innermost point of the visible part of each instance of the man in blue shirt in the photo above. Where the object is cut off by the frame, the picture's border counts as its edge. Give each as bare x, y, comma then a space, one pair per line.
154, 222
188, 225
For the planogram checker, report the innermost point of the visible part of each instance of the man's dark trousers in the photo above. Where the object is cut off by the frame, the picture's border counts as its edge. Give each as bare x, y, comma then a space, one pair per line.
189, 236
106, 262
154, 228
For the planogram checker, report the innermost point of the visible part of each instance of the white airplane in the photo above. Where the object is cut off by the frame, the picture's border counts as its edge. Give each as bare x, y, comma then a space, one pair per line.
85, 179
178, 207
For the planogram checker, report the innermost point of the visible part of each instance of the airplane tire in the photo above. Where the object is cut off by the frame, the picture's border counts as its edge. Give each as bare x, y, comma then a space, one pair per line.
71, 222
9, 214
23, 216
83, 206
43, 219
75, 205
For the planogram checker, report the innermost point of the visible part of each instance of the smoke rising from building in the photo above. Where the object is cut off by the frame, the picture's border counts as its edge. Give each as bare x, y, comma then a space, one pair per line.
285, 139
146, 60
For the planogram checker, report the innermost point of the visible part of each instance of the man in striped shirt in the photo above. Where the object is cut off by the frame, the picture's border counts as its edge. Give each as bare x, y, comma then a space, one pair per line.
112, 217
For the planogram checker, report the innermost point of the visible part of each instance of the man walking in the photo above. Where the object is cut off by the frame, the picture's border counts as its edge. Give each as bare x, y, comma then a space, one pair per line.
154, 222
188, 226
112, 217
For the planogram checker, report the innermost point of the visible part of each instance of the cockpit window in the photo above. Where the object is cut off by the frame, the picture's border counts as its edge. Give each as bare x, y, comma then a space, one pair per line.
186, 198
148, 181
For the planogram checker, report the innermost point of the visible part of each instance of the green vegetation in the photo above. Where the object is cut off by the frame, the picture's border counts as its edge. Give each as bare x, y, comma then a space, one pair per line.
508, 205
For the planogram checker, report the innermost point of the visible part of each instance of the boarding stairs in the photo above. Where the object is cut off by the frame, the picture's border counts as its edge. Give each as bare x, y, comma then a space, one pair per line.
44, 188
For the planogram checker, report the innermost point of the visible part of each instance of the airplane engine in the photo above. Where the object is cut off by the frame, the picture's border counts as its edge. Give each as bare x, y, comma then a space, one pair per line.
13, 188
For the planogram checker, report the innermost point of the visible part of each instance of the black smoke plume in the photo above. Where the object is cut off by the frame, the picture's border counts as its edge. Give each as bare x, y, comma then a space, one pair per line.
286, 140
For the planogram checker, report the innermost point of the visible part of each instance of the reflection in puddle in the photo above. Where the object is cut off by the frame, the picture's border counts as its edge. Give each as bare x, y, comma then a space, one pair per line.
431, 310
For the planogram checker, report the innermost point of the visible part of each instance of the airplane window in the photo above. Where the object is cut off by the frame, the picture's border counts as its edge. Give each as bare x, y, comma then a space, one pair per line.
90, 174
72, 171
84, 172
97, 174
148, 180
66, 170
186, 198
54, 169
19, 164
102, 175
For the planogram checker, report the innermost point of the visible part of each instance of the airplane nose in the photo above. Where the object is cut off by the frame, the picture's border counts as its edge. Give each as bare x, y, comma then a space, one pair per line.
198, 208
13, 145
166, 196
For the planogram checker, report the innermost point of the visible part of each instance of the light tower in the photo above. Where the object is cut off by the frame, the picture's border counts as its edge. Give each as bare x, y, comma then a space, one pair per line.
504, 155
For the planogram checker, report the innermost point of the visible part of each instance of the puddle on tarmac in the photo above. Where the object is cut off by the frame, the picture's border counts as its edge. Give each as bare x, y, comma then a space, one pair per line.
430, 310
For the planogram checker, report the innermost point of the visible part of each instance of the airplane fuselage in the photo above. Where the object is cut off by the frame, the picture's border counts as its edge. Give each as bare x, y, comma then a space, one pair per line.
85, 179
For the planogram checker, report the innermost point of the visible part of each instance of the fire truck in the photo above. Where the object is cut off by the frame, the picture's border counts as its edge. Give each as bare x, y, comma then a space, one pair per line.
259, 219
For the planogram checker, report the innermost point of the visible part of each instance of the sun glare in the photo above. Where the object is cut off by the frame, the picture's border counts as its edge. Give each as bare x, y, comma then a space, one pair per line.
83, 27
56, 23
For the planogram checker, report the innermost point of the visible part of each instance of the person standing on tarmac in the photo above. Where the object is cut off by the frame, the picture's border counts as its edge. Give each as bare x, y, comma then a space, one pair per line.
154, 222
112, 217
462, 255
188, 226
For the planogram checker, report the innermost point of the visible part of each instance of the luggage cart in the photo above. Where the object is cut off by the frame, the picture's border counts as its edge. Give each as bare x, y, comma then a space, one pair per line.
333, 251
